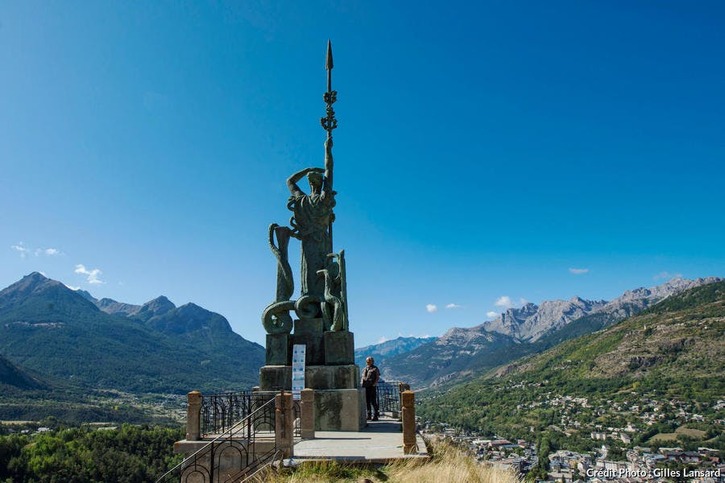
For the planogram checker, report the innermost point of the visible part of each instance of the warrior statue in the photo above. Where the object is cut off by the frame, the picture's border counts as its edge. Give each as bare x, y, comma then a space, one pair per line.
311, 222
322, 272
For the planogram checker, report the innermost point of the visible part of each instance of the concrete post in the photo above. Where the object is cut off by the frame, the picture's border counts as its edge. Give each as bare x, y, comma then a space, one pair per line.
284, 423
193, 416
409, 444
307, 413
401, 387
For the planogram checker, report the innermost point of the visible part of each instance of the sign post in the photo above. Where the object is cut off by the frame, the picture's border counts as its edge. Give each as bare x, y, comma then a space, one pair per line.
298, 370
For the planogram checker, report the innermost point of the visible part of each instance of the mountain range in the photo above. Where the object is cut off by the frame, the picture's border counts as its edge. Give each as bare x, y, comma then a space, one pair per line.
384, 350
656, 371
465, 352
60, 344
70, 336
15, 377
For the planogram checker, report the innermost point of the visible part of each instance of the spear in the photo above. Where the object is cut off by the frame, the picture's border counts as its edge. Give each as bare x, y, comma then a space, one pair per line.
329, 65
328, 124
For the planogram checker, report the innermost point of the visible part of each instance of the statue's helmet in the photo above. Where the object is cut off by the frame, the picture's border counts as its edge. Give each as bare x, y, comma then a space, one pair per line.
314, 178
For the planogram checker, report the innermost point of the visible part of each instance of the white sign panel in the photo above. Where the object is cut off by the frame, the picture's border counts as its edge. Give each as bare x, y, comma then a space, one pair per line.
298, 369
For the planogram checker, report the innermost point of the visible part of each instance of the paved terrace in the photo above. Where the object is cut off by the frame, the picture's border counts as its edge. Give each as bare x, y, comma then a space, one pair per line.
380, 442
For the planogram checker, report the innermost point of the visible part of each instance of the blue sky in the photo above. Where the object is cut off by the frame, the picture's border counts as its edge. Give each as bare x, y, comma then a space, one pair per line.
486, 151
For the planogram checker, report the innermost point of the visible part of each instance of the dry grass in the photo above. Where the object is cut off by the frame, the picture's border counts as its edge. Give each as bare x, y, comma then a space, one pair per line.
664, 437
448, 464
693, 433
668, 438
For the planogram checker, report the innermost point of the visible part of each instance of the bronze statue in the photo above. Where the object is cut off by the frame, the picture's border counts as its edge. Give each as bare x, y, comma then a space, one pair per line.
311, 222
322, 272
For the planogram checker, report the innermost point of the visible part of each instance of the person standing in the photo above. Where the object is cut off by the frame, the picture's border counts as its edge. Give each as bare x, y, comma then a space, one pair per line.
370, 378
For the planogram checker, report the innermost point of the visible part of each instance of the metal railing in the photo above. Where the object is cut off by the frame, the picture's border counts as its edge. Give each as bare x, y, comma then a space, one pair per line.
233, 454
219, 412
389, 399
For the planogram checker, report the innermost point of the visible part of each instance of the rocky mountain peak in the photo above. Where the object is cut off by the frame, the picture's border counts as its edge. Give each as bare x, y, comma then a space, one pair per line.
114, 307
154, 308
189, 318
634, 301
86, 295
531, 322
36, 286
34, 277
160, 303
31, 283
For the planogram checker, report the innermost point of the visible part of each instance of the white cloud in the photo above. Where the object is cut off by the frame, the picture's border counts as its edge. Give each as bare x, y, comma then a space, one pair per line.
453, 306
504, 301
667, 276
491, 314
47, 252
75, 289
382, 339
92, 275
431, 308
578, 271
22, 251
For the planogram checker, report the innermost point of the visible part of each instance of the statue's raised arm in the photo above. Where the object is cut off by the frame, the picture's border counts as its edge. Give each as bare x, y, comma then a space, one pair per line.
292, 181
328, 166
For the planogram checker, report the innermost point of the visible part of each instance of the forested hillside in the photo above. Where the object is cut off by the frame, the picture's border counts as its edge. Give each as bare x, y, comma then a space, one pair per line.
657, 372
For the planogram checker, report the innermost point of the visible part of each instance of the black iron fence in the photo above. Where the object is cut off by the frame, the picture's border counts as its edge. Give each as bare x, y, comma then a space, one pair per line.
239, 451
219, 412
238, 434
389, 398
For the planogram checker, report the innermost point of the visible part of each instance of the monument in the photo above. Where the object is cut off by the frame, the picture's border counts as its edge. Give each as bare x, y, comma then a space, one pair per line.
318, 319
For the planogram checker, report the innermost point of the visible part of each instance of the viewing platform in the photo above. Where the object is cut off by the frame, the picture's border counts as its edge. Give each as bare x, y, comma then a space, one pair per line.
379, 442
230, 437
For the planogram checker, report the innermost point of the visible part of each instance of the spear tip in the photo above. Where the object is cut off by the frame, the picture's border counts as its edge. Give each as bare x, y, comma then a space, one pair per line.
328, 62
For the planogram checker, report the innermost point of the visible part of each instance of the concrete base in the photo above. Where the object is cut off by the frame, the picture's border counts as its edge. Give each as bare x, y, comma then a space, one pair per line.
332, 377
276, 378
322, 347
230, 456
335, 409
340, 410
379, 443
278, 350
309, 332
339, 348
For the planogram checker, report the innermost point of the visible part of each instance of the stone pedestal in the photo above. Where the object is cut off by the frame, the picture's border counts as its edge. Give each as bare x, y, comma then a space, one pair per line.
334, 409
278, 350
309, 332
339, 403
340, 410
339, 348
276, 378
332, 377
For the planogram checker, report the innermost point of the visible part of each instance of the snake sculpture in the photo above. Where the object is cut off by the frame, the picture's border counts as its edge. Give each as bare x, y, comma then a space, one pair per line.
276, 317
334, 311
